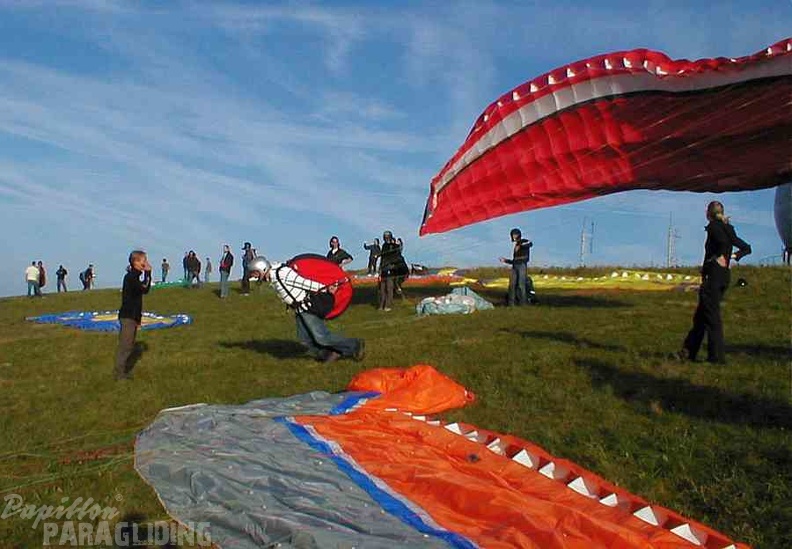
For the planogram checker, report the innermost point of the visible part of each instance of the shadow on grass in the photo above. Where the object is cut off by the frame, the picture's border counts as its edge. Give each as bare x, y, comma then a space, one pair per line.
565, 337
278, 348
681, 396
137, 353
772, 352
368, 294
582, 301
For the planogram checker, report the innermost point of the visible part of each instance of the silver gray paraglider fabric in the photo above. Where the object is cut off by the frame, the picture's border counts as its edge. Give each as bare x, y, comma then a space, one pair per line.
257, 485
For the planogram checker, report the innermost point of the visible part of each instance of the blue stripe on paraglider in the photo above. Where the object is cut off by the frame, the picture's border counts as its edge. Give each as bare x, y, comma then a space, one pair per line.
389, 500
352, 401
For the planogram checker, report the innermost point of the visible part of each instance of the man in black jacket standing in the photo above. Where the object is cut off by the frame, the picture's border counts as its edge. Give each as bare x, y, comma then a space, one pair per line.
374, 253
225, 270
248, 255
392, 266
521, 290
131, 311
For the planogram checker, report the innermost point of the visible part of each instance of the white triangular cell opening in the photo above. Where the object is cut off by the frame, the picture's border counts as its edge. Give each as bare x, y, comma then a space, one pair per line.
611, 500
475, 436
525, 458
651, 516
497, 446
454, 428
553, 471
584, 488
694, 536
420, 418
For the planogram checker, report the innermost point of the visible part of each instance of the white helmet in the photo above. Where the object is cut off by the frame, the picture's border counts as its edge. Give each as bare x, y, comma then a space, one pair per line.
259, 263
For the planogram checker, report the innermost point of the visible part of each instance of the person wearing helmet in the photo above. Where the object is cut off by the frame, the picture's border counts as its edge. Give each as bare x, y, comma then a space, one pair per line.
521, 290
311, 302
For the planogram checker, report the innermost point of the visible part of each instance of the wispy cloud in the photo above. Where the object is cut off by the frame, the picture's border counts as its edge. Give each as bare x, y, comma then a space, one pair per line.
191, 125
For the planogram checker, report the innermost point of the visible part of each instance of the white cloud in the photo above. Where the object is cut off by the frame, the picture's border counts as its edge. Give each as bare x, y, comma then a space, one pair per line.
223, 122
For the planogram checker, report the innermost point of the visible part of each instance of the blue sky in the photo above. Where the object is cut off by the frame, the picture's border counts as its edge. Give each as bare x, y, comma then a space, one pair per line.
186, 125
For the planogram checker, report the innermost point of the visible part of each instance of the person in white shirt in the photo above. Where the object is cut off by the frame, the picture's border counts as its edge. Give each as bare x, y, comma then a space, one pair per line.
312, 302
32, 278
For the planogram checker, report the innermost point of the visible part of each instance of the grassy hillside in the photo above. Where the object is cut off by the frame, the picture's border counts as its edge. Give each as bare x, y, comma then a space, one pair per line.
585, 374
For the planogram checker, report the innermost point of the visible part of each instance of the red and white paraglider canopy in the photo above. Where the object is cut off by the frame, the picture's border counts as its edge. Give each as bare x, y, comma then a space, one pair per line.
620, 121
322, 270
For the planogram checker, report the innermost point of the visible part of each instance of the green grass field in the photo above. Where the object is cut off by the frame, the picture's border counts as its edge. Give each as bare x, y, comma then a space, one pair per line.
585, 374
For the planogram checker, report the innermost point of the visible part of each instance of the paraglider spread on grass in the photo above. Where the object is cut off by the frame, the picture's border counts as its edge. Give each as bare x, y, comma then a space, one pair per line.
621, 121
107, 321
371, 467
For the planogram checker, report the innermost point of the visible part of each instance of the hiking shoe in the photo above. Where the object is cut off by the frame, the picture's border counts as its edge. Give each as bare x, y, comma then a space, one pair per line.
361, 352
682, 355
331, 356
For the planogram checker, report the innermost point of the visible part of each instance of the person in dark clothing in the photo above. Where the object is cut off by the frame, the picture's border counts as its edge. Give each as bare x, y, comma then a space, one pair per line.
86, 277
715, 277
337, 254
193, 269
787, 256
248, 255
521, 290
131, 311
404, 270
226, 262
392, 266
165, 269
60, 274
374, 253
42, 276
186, 265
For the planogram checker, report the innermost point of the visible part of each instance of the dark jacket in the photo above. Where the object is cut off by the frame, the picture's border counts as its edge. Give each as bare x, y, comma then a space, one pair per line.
721, 238
194, 264
522, 252
391, 261
247, 258
132, 294
373, 250
227, 262
338, 256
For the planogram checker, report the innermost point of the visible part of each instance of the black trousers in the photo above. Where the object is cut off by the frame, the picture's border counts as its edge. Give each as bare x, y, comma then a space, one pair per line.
245, 281
387, 284
707, 318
